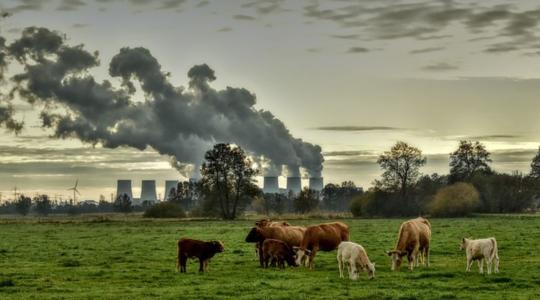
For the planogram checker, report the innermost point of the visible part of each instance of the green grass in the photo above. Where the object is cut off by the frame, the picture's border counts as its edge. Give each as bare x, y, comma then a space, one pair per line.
135, 258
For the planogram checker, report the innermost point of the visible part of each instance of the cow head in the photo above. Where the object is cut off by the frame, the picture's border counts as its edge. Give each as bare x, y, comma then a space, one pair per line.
218, 246
301, 254
262, 222
371, 270
463, 244
254, 236
397, 258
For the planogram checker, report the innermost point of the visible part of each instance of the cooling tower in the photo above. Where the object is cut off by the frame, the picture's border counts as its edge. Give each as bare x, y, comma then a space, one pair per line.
316, 183
124, 187
148, 191
294, 185
270, 185
169, 185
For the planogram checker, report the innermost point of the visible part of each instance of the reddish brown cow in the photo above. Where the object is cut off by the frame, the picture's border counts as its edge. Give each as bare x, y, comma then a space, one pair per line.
189, 248
267, 223
277, 251
291, 235
324, 237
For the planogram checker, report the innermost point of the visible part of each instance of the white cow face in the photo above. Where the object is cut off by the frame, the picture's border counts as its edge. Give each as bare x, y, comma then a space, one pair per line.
463, 244
300, 255
397, 258
371, 270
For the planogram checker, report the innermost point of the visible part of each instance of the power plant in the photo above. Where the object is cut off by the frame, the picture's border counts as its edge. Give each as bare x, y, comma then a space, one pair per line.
169, 185
294, 185
316, 183
270, 185
123, 186
148, 191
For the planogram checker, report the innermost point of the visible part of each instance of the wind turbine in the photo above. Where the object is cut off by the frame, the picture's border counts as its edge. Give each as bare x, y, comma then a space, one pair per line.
75, 190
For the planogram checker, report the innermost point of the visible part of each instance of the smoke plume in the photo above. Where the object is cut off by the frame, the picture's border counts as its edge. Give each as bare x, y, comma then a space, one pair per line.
180, 122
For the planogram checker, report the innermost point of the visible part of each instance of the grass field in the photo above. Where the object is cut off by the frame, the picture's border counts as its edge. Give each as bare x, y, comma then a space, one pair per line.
135, 258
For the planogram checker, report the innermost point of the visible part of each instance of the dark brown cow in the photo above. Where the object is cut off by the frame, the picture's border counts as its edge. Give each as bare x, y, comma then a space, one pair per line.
277, 251
189, 248
291, 235
324, 237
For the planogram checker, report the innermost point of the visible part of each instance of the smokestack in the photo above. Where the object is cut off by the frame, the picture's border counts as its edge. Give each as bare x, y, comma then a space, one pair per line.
270, 185
316, 183
123, 186
148, 191
294, 185
169, 185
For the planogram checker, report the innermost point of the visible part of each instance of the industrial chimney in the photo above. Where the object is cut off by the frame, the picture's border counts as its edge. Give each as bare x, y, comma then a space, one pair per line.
316, 183
294, 185
148, 191
169, 185
123, 186
270, 185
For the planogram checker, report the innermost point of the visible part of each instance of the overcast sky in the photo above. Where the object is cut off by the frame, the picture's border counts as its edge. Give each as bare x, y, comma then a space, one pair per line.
351, 76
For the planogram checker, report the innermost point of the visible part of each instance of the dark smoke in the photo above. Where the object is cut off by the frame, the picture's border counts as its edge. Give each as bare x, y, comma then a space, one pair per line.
182, 123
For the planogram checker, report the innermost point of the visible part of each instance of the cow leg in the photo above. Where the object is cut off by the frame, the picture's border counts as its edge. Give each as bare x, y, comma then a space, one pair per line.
411, 258
496, 262
183, 260
261, 255
266, 260
201, 265
481, 265
311, 259
352, 271
206, 265
469, 264
427, 256
340, 266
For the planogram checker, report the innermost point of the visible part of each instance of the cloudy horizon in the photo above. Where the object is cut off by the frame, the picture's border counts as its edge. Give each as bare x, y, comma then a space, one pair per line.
352, 77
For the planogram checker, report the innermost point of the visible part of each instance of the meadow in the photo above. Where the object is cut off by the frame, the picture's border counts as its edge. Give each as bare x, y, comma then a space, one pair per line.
135, 258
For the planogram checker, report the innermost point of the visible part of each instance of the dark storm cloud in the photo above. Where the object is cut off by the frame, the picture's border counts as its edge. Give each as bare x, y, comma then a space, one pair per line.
358, 50
438, 67
357, 128
426, 50
175, 121
69, 5
244, 18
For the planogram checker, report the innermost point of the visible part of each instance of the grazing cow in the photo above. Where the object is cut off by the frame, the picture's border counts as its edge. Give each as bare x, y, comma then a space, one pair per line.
324, 237
355, 256
189, 248
291, 235
277, 251
480, 250
413, 241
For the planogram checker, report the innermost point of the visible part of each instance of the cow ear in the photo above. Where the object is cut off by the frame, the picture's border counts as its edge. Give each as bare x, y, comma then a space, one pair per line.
308, 252
295, 248
389, 253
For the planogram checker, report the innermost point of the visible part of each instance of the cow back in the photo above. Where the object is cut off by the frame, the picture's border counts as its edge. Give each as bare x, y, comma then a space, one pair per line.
326, 237
291, 235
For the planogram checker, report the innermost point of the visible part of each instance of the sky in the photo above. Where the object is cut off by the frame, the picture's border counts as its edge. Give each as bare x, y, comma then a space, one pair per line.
352, 77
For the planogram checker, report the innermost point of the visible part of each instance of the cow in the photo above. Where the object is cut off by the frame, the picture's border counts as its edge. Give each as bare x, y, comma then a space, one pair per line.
324, 237
414, 239
189, 248
278, 251
480, 250
291, 235
267, 223
355, 257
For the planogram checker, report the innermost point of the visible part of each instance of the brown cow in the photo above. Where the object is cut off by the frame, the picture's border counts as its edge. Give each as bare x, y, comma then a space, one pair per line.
277, 251
189, 248
324, 237
413, 241
291, 235
267, 223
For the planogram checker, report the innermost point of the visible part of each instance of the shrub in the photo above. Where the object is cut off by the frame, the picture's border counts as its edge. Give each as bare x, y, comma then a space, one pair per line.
164, 210
459, 199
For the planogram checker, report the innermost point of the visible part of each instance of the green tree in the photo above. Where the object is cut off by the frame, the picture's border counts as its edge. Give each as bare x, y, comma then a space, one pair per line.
401, 167
306, 201
123, 204
43, 205
459, 199
23, 204
229, 177
535, 166
470, 158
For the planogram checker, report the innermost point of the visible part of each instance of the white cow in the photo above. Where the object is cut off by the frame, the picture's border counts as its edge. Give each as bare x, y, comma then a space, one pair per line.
480, 250
356, 258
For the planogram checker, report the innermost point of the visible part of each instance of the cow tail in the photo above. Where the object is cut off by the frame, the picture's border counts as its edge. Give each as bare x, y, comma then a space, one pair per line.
494, 251
178, 255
